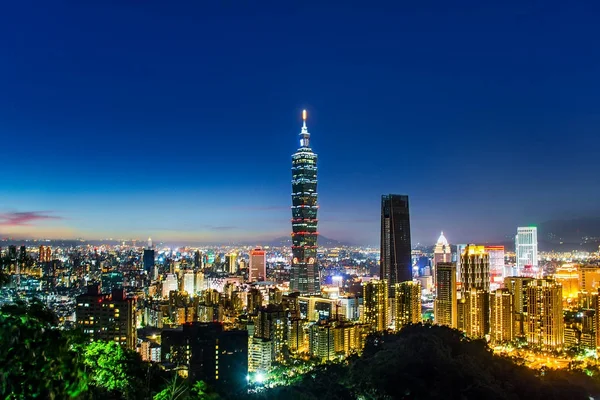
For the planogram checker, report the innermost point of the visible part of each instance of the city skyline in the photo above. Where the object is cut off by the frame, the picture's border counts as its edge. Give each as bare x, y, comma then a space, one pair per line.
163, 133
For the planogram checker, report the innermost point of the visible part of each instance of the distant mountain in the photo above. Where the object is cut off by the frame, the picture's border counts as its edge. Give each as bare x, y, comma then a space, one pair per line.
323, 242
572, 234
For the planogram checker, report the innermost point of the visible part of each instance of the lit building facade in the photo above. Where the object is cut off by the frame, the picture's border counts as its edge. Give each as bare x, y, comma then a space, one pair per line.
476, 312
304, 270
545, 315
517, 286
408, 304
475, 268
441, 252
496, 256
375, 305
108, 317
258, 265
526, 249
589, 278
501, 316
321, 342
395, 263
445, 305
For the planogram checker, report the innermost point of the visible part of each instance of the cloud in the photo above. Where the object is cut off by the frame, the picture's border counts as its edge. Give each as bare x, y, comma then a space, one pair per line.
26, 218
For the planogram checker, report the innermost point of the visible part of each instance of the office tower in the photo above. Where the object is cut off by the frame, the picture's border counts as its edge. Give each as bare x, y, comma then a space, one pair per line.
526, 250
45, 254
169, 284
12, 252
109, 317
545, 315
517, 286
589, 278
304, 273
475, 268
445, 304
198, 260
442, 251
395, 263
231, 260
476, 312
496, 255
271, 324
460, 248
258, 265
210, 353
189, 283
22, 253
111, 281
408, 304
321, 341
501, 316
148, 260
375, 305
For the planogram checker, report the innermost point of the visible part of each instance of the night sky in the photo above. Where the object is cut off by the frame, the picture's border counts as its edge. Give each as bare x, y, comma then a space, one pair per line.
177, 119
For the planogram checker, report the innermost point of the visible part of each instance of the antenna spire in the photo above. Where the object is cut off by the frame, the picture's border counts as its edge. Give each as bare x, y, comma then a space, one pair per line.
304, 135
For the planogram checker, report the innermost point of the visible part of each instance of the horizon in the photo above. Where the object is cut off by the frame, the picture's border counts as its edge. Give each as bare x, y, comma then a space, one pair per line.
185, 132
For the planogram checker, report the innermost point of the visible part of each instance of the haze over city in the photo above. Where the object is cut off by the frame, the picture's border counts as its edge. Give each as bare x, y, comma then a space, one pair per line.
129, 119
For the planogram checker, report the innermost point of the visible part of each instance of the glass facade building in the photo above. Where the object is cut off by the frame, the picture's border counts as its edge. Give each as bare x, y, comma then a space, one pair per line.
395, 264
305, 273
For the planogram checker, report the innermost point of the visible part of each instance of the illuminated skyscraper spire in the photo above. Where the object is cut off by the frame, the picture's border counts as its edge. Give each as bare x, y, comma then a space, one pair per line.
305, 272
304, 135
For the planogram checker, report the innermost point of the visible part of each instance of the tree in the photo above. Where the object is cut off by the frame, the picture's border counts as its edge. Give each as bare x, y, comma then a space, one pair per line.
38, 361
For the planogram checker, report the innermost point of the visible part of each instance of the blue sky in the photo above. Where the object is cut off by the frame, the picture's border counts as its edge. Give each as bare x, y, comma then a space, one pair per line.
177, 119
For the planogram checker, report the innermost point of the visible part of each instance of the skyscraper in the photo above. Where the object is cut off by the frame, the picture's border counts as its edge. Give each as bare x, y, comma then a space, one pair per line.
408, 304
445, 305
476, 312
475, 268
107, 316
442, 251
518, 288
395, 264
526, 249
545, 315
258, 265
501, 316
375, 304
305, 273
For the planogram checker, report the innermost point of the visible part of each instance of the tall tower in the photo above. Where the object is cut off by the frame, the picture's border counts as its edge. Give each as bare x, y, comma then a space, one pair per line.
526, 249
305, 272
408, 304
545, 315
475, 268
258, 265
395, 264
445, 305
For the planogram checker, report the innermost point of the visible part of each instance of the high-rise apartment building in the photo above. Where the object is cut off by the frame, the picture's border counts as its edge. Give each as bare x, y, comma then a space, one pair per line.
321, 341
545, 315
408, 304
271, 324
445, 305
109, 317
496, 255
231, 260
476, 312
475, 268
258, 265
45, 254
526, 251
375, 305
460, 248
501, 316
209, 353
304, 271
395, 263
589, 278
517, 286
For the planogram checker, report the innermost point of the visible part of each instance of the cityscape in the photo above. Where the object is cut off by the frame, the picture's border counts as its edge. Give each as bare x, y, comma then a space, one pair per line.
124, 284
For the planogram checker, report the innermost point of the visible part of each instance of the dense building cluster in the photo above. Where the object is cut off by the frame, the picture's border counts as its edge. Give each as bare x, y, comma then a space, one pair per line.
227, 315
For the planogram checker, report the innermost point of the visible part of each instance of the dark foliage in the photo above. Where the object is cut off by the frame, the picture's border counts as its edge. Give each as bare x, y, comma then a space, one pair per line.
432, 362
